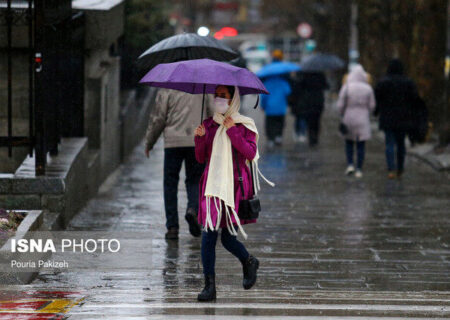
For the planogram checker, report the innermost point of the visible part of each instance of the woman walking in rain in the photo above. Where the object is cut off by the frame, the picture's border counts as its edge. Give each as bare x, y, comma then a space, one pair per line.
356, 102
226, 142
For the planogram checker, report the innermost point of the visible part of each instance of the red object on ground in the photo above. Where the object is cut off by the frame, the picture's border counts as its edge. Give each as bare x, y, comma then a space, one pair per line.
31, 316
26, 305
36, 305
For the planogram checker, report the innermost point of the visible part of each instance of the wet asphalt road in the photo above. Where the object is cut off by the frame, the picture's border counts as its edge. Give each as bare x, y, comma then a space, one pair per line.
330, 246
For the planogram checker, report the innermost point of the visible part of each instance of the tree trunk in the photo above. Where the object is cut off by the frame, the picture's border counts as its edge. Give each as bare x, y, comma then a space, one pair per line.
428, 54
375, 37
340, 33
445, 131
402, 23
340, 28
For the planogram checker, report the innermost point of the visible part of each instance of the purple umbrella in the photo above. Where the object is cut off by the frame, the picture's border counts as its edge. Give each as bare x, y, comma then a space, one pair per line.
203, 76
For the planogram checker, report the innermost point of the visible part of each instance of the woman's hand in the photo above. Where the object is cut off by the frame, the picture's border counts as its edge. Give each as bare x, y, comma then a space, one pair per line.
200, 131
229, 122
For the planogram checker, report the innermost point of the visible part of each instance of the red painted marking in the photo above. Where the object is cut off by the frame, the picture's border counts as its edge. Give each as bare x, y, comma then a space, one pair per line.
19, 295
26, 305
17, 301
28, 316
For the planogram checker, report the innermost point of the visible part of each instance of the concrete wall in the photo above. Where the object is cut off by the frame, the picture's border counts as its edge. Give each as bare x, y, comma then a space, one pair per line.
102, 109
134, 119
102, 86
104, 27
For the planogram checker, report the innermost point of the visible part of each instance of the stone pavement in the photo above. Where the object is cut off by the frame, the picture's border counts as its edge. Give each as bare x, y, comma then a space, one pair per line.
330, 246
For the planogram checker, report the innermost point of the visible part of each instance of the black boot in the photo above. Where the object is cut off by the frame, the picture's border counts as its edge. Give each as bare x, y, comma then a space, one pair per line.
191, 218
249, 268
209, 291
172, 233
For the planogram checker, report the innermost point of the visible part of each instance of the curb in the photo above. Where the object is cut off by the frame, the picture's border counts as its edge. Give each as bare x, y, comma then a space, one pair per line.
33, 222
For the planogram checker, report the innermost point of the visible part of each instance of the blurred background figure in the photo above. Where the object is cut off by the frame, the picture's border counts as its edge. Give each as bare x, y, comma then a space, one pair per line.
275, 104
277, 55
308, 102
356, 102
369, 77
395, 95
300, 127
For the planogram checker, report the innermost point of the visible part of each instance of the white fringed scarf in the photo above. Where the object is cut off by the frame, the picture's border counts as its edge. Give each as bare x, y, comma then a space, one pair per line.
220, 180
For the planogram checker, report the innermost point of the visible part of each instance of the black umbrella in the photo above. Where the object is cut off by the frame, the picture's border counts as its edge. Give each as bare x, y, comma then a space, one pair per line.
186, 46
322, 62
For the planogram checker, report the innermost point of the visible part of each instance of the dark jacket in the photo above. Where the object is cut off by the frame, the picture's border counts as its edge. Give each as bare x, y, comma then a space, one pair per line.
395, 96
308, 93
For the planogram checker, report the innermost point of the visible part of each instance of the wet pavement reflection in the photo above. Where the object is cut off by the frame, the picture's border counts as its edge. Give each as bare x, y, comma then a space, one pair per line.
329, 245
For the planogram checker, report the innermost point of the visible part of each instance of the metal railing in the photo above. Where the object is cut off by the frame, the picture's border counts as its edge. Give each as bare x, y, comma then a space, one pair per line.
50, 52
12, 15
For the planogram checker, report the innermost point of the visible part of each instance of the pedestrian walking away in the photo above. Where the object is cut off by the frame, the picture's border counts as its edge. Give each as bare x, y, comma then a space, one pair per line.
308, 101
275, 104
395, 96
218, 140
356, 102
176, 114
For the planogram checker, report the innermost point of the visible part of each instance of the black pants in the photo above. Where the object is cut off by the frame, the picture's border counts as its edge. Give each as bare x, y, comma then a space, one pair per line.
229, 242
313, 125
274, 127
395, 139
173, 159
360, 152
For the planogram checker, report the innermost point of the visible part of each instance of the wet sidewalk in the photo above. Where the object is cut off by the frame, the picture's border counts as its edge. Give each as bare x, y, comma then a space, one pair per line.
330, 246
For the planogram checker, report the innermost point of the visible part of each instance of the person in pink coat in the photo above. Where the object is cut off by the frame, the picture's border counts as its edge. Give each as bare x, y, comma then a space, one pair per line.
356, 102
215, 214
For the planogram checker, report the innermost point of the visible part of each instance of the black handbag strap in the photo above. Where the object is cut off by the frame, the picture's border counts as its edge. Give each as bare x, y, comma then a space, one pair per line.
253, 182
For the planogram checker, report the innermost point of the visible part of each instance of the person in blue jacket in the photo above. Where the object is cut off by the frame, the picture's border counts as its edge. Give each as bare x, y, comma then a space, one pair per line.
275, 104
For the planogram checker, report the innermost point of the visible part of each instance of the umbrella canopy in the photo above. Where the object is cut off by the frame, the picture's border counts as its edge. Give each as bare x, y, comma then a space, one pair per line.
322, 62
277, 68
186, 46
203, 76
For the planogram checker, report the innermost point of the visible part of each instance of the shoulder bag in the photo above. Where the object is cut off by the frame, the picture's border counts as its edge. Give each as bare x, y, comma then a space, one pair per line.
248, 208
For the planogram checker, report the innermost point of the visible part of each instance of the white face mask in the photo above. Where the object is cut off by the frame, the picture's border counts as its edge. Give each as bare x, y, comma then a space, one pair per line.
220, 105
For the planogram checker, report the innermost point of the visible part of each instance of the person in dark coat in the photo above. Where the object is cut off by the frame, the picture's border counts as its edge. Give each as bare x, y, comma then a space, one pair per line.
395, 96
308, 101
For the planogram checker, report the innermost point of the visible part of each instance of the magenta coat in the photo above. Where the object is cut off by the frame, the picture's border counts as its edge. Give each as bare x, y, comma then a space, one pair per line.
244, 142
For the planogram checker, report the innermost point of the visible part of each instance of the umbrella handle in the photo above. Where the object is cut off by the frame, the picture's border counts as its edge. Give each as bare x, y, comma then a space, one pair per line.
203, 103
257, 102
